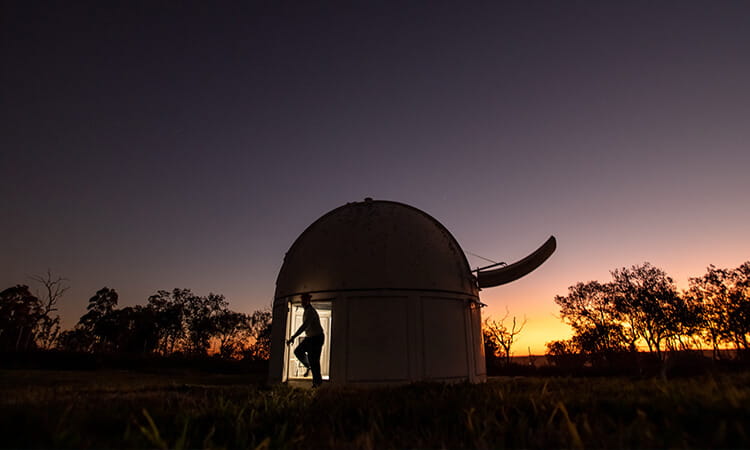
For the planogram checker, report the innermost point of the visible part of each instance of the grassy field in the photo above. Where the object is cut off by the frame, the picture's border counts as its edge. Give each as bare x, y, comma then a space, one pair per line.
113, 409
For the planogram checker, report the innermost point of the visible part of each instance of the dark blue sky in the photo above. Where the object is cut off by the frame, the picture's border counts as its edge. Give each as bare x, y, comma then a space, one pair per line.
152, 145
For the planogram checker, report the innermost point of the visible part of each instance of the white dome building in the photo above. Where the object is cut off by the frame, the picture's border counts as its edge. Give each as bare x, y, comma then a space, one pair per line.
395, 294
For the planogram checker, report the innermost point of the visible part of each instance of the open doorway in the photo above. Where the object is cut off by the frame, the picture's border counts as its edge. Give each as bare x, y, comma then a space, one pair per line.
293, 369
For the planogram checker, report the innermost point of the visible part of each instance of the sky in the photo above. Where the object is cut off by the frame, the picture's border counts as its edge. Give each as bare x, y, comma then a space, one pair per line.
154, 145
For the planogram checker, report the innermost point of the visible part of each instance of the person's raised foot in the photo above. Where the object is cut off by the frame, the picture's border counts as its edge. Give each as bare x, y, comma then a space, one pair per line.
307, 372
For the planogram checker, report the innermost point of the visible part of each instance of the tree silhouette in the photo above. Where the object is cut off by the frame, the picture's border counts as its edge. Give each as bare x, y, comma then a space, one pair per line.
565, 354
171, 321
649, 304
709, 293
200, 321
76, 340
491, 348
101, 304
590, 309
640, 305
53, 289
187, 322
260, 335
169, 308
131, 330
723, 299
20, 317
739, 309
232, 333
503, 336
244, 335
98, 322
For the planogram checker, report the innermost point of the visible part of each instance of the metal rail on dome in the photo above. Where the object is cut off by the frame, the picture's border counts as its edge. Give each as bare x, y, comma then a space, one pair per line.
489, 267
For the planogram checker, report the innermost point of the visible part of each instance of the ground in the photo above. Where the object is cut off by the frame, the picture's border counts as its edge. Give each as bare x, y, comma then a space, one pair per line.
122, 409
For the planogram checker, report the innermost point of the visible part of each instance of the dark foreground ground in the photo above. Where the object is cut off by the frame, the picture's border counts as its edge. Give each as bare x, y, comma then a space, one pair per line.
120, 409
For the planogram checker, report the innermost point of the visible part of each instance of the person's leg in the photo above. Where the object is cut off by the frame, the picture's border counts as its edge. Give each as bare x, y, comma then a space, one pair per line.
313, 354
301, 353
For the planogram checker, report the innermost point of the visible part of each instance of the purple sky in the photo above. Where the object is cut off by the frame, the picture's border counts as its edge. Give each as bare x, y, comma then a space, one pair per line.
187, 144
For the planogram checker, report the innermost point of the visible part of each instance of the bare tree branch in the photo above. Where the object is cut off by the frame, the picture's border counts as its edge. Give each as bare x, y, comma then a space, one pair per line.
55, 288
502, 335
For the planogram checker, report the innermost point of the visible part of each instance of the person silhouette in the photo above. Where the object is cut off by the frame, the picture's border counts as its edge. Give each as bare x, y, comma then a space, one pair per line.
308, 351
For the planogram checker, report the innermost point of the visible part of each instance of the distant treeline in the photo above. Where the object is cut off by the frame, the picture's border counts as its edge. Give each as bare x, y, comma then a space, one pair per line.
641, 307
176, 322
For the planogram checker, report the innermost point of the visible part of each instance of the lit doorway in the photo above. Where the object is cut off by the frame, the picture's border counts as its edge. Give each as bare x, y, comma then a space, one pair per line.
294, 369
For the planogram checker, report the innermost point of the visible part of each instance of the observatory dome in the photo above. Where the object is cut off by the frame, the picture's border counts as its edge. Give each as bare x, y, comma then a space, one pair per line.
394, 296
375, 244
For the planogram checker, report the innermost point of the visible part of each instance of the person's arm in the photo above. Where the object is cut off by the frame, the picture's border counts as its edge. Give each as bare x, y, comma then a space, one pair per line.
305, 323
